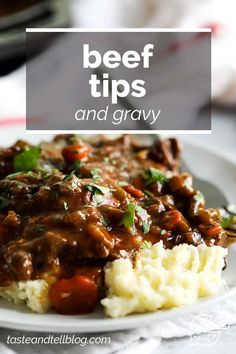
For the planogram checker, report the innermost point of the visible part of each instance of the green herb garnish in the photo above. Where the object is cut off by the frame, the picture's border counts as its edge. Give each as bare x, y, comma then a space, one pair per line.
106, 159
148, 202
98, 192
39, 227
4, 202
95, 172
66, 206
153, 175
198, 197
148, 193
92, 187
105, 223
146, 227
97, 198
142, 212
69, 176
143, 215
75, 139
27, 160
227, 221
25, 174
47, 188
122, 183
146, 244
128, 217
19, 185
123, 166
163, 232
13, 175
77, 165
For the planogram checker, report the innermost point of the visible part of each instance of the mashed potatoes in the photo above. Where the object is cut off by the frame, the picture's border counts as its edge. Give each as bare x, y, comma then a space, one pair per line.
161, 278
33, 293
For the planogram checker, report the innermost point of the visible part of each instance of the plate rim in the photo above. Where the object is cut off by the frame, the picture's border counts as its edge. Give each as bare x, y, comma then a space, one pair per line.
111, 324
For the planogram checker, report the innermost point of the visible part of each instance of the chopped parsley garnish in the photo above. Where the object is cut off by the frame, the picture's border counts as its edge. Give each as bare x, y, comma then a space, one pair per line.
227, 216
39, 227
47, 188
26, 174
77, 165
4, 202
75, 139
142, 212
93, 187
148, 193
29, 196
148, 202
97, 198
95, 172
106, 159
105, 223
143, 216
19, 185
198, 197
163, 232
128, 217
48, 174
146, 244
123, 166
98, 192
13, 175
27, 160
227, 221
146, 227
69, 176
66, 206
153, 175
122, 183
32, 174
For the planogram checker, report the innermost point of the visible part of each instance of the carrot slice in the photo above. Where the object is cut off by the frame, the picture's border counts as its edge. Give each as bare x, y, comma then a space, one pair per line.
74, 153
74, 295
136, 193
171, 219
210, 230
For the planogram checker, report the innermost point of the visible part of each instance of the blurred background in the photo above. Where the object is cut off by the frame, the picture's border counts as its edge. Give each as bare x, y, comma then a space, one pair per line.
219, 15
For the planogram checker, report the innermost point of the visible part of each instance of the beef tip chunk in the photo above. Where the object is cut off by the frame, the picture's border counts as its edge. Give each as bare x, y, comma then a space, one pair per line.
103, 242
12, 219
166, 152
19, 262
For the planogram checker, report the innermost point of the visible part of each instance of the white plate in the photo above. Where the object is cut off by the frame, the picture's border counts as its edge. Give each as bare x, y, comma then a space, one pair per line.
204, 164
